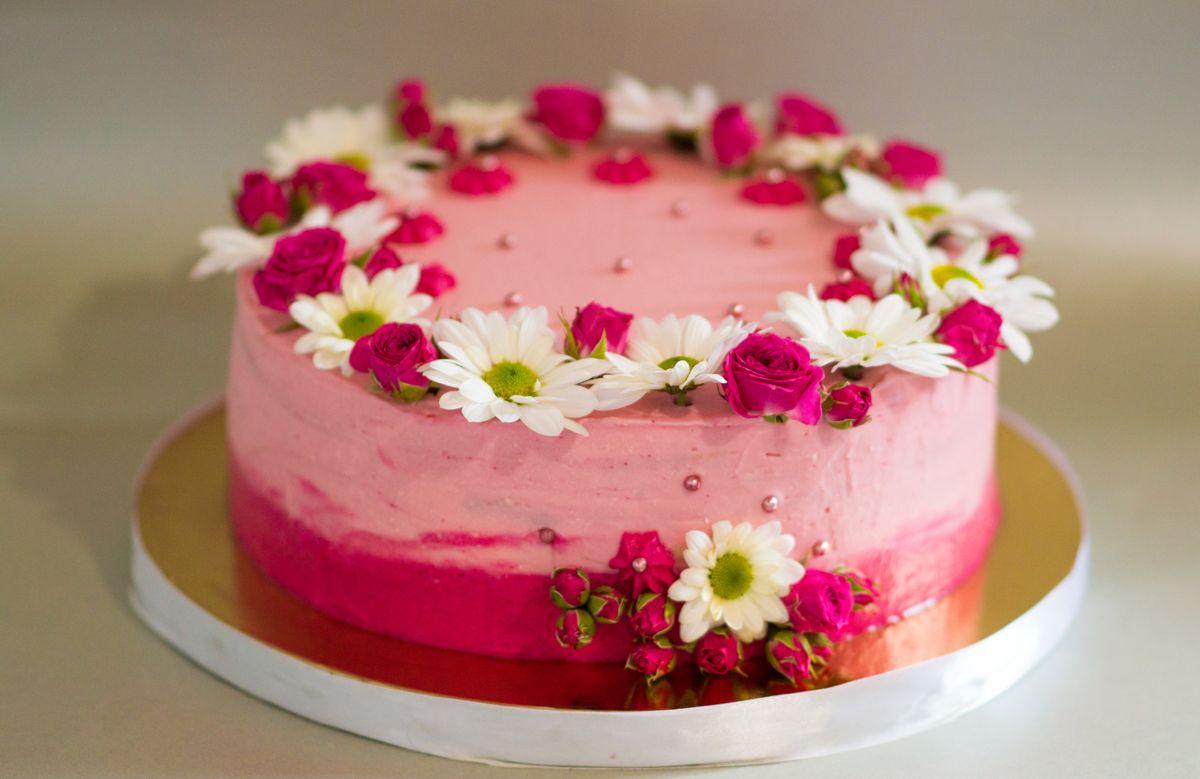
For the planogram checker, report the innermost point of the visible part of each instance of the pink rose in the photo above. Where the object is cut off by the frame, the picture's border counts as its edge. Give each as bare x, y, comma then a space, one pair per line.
848, 406
569, 588
769, 375
643, 564
774, 192
331, 184
262, 205
393, 353
790, 654
485, 178
569, 112
801, 115
381, 259
652, 615
717, 653
653, 659
445, 138
305, 263
623, 169
415, 227
820, 602
410, 90
606, 605
435, 280
844, 290
844, 246
734, 137
911, 165
595, 322
973, 329
1002, 244
574, 629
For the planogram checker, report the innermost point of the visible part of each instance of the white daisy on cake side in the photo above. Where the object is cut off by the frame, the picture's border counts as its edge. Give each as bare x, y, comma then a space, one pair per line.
229, 249
736, 577
674, 355
335, 320
360, 138
508, 369
866, 333
633, 106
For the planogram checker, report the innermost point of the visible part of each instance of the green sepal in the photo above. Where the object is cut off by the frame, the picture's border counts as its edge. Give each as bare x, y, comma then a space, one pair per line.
828, 183
409, 393
362, 259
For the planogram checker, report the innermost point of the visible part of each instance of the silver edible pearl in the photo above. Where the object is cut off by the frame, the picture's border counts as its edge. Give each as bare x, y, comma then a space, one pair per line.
692, 483
638, 564
679, 208
821, 548
623, 154
622, 265
514, 299
764, 237
775, 175
489, 162
506, 241
547, 535
844, 276
736, 309
770, 503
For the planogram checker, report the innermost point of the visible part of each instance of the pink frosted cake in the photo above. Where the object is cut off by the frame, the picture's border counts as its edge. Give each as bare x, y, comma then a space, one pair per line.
632, 377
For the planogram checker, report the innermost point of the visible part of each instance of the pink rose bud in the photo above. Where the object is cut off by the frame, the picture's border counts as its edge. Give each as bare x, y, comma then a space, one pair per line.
475, 179
569, 112
768, 375
574, 629
304, 263
331, 184
652, 659
768, 192
865, 592
844, 290
848, 406
717, 653
262, 205
1002, 244
414, 228
844, 247
618, 169
435, 280
606, 605
733, 136
381, 259
790, 654
410, 90
801, 115
973, 329
569, 588
415, 121
595, 324
392, 354
652, 615
643, 564
820, 602
911, 165
445, 138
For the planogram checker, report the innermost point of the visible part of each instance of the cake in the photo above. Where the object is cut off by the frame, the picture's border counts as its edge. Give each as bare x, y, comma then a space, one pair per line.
627, 377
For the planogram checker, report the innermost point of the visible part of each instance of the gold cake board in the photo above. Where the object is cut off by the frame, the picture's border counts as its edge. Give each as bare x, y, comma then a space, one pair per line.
194, 587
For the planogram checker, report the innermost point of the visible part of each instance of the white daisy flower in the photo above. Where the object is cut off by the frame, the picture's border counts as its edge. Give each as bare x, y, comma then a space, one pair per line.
360, 138
230, 249
939, 206
737, 578
633, 106
483, 123
867, 333
825, 152
336, 320
674, 355
889, 250
509, 370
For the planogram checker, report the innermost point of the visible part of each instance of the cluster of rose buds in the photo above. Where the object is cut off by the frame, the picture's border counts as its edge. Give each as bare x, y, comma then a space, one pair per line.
583, 606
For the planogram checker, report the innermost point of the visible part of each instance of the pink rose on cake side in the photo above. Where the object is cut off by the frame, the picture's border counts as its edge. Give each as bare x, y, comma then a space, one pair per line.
569, 112
595, 325
262, 205
848, 405
331, 184
643, 564
574, 629
844, 290
392, 354
569, 588
1001, 244
652, 615
911, 165
306, 263
801, 115
733, 137
973, 329
768, 375
653, 659
821, 602
416, 227
717, 653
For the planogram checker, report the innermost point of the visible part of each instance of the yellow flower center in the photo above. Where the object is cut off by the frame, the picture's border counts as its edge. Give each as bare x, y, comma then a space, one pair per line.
356, 324
355, 159
942, 274
731, 576
511, 378
925, 211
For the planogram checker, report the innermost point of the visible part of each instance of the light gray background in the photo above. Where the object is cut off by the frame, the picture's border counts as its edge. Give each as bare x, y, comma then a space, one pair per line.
122, 124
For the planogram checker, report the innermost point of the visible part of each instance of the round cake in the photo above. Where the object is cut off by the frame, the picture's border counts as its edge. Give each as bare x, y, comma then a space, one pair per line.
636, 377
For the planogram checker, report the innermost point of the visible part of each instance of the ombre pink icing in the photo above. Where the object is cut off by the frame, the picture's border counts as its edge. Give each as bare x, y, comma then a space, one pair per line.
410, 521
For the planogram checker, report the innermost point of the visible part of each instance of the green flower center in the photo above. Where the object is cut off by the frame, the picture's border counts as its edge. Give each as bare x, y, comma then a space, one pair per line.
511, 378
855, 333
925, 211
355, 159
356, 324
942, 274
670, 362
731, 576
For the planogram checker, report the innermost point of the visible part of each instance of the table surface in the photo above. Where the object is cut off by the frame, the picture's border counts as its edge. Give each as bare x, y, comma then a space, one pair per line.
107, 342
